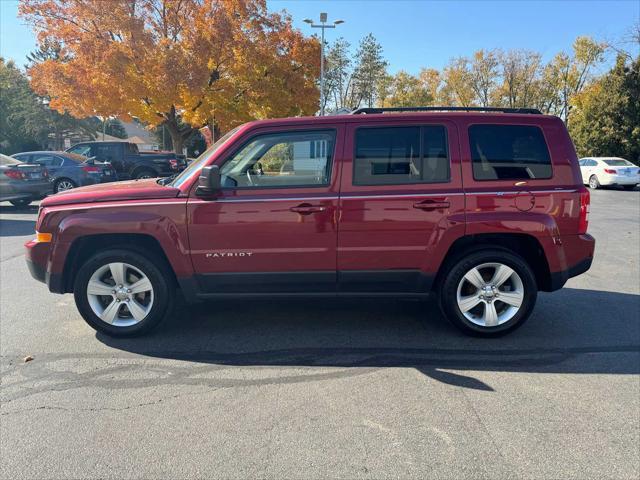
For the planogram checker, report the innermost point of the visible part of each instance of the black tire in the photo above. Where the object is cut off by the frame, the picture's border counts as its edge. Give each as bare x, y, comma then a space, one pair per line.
629, 187
157, 272
56, 185
594, 183
144, 173
22, 202
453, 275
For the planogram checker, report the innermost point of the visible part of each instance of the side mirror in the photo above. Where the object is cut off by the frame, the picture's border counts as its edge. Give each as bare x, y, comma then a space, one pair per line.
209, 181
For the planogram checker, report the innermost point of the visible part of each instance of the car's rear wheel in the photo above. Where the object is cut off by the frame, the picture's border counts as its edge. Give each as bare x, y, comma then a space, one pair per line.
488, 292
593, 182
123, 293
22, 202
63, 184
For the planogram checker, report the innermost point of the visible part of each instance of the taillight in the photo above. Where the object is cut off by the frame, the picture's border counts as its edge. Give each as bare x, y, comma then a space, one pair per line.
45, 173
173, 163
585, 201
610, 171
91, 169
15, 174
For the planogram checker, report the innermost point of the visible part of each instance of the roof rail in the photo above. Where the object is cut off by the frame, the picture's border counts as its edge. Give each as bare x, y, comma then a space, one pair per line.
359, 111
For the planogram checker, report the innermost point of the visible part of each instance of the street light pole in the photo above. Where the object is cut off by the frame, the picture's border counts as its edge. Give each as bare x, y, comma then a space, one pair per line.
322, 25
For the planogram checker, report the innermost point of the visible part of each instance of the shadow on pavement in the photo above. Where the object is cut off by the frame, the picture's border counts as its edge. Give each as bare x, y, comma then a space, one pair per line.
572, 331
16, 228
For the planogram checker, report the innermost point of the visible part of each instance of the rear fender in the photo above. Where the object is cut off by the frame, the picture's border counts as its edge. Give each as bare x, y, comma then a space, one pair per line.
539, 225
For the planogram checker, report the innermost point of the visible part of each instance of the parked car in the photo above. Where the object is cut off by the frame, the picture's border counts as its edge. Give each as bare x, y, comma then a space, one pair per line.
608, 172
22, 183
131, 163
68, 170
481, 208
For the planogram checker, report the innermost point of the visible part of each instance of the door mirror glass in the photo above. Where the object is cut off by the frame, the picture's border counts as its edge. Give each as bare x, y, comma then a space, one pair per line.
209, 180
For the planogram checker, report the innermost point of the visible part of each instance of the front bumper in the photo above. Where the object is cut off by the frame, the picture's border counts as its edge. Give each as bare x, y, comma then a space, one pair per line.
37, 258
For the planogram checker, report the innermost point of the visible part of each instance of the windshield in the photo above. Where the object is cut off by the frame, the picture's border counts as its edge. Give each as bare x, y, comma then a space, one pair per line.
618, 162
197, 164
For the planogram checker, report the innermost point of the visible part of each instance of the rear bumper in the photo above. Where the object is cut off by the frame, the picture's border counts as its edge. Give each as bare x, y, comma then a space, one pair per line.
580, 250
611, 180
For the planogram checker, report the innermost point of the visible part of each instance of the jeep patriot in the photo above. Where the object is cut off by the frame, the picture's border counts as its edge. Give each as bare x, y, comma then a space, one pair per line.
481, 207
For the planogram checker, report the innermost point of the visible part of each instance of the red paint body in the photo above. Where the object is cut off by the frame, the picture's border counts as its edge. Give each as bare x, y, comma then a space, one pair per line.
357, 229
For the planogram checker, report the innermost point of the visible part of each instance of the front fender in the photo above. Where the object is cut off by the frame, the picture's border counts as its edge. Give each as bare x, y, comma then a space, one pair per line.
167, 228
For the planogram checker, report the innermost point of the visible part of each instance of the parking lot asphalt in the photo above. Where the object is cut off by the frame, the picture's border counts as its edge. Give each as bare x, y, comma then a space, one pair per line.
317, 389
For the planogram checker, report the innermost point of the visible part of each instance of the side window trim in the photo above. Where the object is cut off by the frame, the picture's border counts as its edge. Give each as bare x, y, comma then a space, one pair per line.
421, 126
231, 155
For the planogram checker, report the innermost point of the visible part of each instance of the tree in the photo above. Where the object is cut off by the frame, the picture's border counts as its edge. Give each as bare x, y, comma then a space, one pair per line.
181, 63
338, 76
520, 78
484, 76
370, 68
605, 118
571, 73
20, 111
458, 84
406, 90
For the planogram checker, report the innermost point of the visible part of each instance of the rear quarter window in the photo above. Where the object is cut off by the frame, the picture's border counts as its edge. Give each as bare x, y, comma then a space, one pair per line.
509, 152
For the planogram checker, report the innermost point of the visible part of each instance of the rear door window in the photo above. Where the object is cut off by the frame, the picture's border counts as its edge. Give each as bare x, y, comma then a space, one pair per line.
401, 155
509, 152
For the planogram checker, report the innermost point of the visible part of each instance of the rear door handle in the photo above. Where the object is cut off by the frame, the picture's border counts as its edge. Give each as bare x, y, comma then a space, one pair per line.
429, 205
307, 209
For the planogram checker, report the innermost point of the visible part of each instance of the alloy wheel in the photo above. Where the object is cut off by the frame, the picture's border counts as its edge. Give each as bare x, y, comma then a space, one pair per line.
120, 294
490, 294
64, 185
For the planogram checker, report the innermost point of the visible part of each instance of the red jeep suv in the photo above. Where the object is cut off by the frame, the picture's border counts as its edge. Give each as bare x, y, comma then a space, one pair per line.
482, 207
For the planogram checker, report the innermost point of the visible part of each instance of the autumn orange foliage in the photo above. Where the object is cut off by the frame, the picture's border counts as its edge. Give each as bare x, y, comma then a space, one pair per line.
200, 62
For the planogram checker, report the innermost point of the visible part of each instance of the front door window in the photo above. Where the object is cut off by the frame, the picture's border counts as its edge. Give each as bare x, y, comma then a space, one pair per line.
292, 159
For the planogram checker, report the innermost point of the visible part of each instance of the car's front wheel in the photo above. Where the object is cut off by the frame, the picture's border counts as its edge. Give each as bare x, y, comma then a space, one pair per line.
123, 293
488, 292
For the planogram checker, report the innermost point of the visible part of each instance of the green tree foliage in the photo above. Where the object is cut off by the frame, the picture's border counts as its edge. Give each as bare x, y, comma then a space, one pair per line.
352, 83
21, 127
370, 68
605, 117
112, 127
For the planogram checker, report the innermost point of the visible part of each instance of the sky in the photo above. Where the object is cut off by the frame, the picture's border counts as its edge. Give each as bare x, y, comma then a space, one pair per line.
422, 33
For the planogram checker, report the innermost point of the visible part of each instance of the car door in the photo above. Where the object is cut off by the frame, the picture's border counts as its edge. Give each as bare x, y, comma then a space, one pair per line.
401, 197
273, 226
49, 161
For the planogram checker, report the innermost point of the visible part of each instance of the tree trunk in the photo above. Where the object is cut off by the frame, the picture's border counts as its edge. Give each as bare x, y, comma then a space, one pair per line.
179, 132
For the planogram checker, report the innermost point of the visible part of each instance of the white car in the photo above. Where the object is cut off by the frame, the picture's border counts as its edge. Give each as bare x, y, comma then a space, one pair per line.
609, 171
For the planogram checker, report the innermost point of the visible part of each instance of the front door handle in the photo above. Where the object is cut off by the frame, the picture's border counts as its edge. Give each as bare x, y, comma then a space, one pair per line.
307, 209
429, 205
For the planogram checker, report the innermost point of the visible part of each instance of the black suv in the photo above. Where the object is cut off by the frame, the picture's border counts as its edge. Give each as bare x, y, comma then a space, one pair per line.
129, 162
